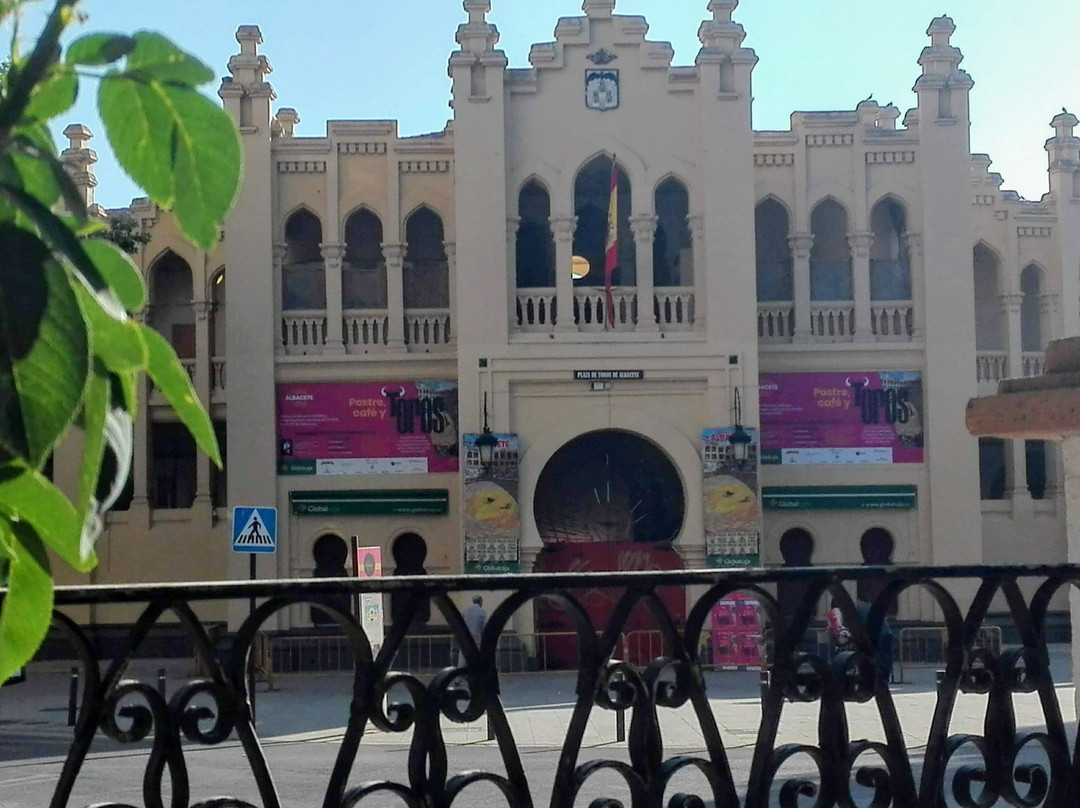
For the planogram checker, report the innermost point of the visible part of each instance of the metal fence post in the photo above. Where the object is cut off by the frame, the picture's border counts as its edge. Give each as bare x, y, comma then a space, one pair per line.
161, 682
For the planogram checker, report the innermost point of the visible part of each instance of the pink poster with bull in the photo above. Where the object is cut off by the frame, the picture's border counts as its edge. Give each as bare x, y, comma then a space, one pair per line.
841, 418
367, 428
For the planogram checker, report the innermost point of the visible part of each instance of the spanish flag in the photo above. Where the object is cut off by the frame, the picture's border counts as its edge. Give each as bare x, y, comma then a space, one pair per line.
611, 258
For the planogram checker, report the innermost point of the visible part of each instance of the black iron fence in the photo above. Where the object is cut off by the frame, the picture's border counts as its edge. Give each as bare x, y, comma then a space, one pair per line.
997, 768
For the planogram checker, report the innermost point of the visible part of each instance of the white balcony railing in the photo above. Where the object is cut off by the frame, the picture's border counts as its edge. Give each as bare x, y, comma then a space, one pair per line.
364, 330
674, 307
775, 321
536, 309
991, 366
891, 320
590, 308
832, 321
303, 332
1034, 363
427, 330
189, 368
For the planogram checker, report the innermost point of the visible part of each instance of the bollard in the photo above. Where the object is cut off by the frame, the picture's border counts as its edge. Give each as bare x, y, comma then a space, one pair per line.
620, 725
161, 683
73, 697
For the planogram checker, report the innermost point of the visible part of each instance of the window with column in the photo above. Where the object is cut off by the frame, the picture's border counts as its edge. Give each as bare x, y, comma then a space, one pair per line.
363, 274
673, 251
535, 245
426, 273
772, 226
592, 196
171, 293
890, 271
830, 257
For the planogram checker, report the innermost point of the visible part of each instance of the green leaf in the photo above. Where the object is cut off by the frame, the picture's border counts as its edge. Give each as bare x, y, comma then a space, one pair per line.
98, 49
119, 271
26, 496
35, 146
157, 58
26, 612
140, 132
57, 234
46, 340
172, 380
128, 383
54, 96
207, 165
118, 343
95, 405
180, 146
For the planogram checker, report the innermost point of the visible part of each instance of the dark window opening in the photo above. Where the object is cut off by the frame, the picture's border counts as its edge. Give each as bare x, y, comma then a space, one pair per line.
673, 263
303, 275
775, 279
991, 468
876, 546
535, 245
173, 465
426, 272
363, 276
592, 196
830, 259
409, 552
890, 270
1035, 461
796, 550
219, 478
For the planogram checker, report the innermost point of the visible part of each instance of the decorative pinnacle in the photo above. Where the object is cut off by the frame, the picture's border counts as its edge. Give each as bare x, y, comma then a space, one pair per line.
722, 9
1063, 124
79, 136
598, 8
249, 37
941, 30
477, 10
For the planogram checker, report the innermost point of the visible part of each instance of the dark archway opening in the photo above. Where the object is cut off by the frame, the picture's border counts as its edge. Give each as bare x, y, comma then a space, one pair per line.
330, 554
876, 547
592, 195
409, 552
796, 550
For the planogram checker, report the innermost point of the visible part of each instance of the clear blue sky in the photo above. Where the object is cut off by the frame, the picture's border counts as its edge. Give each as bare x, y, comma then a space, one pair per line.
342, 59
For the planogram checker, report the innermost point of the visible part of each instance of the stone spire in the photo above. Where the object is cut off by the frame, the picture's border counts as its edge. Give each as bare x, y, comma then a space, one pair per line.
942, 84
721, 44
285, 122
247, 82
598, 9
1063, 149
477, 35
79, 160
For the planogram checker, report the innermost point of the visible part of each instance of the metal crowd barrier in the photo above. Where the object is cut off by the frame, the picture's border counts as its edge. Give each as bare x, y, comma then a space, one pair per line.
928, 646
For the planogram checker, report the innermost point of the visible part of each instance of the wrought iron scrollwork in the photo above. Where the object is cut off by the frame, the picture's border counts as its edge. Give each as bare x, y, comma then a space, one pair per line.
1002, 765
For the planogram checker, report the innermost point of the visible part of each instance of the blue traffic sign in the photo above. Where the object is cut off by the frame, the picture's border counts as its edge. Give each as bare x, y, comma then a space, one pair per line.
254, 530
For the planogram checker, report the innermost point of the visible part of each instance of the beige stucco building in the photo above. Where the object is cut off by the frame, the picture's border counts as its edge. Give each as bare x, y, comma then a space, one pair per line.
864, 243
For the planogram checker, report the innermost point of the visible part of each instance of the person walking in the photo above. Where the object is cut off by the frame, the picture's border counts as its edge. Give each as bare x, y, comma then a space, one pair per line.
475, 620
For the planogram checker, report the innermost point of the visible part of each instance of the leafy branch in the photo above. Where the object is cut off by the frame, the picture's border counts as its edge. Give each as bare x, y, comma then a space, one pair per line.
71, 354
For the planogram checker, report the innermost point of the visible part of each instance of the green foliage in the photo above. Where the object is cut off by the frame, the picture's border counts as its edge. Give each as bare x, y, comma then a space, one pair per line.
70, 352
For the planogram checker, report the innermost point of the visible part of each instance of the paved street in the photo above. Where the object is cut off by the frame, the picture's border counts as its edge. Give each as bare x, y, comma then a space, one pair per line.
302, 721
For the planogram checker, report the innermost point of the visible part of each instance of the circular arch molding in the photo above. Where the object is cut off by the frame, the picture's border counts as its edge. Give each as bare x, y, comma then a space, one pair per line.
680, 451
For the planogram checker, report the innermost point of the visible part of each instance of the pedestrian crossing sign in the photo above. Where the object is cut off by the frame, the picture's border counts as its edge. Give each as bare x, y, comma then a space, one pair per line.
254, 530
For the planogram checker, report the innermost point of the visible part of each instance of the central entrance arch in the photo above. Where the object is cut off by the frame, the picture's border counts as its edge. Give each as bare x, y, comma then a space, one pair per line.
607, 501
609, 486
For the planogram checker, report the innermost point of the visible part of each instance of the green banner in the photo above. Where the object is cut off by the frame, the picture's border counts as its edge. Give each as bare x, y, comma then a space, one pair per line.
295, 467
722, 561
491, 567
409, 502
840, 498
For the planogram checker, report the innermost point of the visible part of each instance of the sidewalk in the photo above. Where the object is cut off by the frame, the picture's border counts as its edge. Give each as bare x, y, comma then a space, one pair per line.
539, 706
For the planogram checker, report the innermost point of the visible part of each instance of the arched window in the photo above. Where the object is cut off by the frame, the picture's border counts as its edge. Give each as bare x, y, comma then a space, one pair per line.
535, 245
592, 194
988, 330
303, 275
830, 260
217, 321
363, 275
426, 272
1030, 319
673, 255
171, 294
774, 270
796, 550
890, 271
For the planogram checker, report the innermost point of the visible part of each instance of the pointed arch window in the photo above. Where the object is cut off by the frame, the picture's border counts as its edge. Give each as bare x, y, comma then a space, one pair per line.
217, 315
171, 293
673, 254
592, 193
890, 270
830, 258
303, 274
989, 335
363, 274
535, 245
426, 272
1031, 330
773, 252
